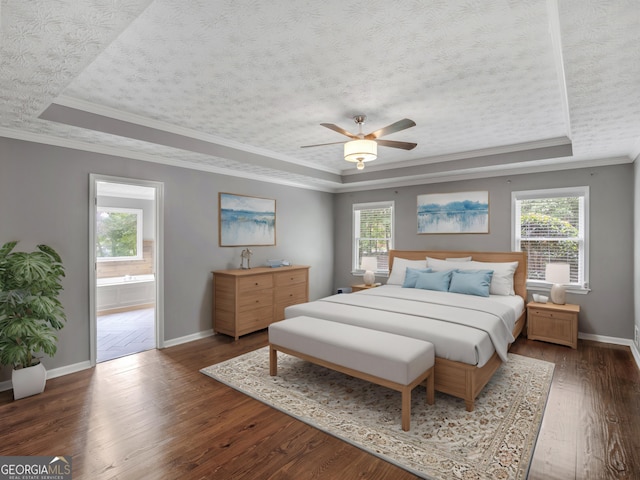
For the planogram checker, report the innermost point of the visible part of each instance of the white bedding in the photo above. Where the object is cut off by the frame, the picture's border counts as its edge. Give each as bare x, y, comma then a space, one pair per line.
463, 328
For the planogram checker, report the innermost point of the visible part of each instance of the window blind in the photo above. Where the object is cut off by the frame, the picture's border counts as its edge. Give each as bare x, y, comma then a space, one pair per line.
373, 233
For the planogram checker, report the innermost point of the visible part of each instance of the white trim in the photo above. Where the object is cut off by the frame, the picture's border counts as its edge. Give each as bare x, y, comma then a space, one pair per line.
577, 191
158, 257
535, 166
355, 269
156, 158
188, 338
556, 43
614, 341
53, 373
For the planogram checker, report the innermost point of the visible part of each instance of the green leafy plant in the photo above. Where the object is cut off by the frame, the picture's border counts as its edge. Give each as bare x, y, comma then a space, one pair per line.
30, 311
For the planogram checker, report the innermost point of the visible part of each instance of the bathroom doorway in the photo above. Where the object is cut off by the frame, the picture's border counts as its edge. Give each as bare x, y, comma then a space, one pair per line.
126, 271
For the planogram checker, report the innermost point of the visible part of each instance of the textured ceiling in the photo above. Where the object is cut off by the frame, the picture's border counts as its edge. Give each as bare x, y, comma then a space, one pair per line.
238, 86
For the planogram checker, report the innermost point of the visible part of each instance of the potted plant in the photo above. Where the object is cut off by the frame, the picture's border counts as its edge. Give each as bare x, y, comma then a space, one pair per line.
30, 313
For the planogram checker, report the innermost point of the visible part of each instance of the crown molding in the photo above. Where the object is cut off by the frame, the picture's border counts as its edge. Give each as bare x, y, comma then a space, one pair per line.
115, 114
145, 157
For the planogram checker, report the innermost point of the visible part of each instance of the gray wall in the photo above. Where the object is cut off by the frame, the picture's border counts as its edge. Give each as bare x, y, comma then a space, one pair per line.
44, 198
607, 310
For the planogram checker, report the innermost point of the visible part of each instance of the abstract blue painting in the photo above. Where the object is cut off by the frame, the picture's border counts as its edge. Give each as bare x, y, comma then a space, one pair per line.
465, 212
246, 221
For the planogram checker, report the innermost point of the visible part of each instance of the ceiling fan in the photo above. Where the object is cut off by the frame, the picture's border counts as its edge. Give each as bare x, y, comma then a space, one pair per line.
364, 148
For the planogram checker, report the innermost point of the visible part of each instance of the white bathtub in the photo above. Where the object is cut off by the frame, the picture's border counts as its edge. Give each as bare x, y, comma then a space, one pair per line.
129, 291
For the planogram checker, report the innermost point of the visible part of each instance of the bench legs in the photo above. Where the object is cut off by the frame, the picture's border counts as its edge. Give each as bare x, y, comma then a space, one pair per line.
427, 377
273, 361
429, 382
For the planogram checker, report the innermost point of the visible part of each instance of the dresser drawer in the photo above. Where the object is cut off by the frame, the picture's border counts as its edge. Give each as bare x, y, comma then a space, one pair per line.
294, 292
256, 282
255, 299
255, 319
284, 279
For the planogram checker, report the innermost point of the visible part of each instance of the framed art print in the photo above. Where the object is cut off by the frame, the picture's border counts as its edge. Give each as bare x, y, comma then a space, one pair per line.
464, 212
246, 221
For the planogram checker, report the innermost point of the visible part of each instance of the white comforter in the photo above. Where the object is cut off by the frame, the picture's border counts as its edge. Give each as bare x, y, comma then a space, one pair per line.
463, 328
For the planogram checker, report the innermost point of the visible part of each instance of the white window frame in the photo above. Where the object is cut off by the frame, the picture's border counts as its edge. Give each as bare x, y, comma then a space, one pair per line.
357, 207
138, 212
582, 286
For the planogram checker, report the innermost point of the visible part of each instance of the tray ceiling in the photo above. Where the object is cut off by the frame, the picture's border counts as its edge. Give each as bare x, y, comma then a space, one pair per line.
237, 87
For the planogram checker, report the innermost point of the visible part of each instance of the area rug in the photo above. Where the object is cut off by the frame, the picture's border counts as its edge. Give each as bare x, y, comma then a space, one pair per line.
495, 441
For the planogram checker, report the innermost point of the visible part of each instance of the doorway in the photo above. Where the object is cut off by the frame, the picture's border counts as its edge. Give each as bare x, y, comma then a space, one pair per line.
126, 268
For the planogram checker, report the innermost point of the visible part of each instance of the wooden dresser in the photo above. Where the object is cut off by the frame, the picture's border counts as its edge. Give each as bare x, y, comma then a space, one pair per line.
248, 300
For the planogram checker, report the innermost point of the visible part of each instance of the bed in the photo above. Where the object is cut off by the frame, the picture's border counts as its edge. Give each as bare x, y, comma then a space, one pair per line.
471, 334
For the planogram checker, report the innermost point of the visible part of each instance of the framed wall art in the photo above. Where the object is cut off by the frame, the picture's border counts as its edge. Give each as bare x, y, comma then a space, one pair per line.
246, 221
463, 212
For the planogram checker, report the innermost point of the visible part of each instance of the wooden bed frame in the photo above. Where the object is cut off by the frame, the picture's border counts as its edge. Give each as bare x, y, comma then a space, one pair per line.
456, 378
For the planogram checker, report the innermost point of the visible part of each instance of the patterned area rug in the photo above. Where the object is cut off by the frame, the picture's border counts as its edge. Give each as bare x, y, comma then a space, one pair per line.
495, 441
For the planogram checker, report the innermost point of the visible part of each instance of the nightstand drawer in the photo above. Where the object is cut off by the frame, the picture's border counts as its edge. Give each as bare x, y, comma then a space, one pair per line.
552, 315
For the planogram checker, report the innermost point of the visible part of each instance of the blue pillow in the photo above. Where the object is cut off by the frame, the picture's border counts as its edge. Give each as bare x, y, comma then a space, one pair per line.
471, 282
434, 280
411, 276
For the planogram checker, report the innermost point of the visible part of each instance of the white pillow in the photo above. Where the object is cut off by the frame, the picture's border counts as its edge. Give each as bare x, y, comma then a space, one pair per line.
399, 269
448, 264
501, 281
457, 259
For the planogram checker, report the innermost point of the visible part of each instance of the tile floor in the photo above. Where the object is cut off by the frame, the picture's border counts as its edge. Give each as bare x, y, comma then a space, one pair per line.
125, 333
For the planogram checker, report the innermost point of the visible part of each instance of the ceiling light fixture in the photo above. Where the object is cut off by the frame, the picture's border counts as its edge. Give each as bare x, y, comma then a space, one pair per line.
360, 151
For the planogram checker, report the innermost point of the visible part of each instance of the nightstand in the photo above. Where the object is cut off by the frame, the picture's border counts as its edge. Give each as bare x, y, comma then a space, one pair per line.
553, 323
362, 286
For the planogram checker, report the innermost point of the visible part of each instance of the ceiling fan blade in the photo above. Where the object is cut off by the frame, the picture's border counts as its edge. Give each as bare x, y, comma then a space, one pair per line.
394, 127
320, 144
394, 144
338, 129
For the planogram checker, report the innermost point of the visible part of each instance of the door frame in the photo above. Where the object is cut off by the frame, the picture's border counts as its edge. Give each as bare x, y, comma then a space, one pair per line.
158, 257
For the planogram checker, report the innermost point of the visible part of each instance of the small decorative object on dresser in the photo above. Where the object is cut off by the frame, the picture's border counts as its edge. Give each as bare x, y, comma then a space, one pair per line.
553, 323
248, 300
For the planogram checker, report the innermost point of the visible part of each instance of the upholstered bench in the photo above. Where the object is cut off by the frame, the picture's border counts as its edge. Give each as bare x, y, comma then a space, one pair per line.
390, 360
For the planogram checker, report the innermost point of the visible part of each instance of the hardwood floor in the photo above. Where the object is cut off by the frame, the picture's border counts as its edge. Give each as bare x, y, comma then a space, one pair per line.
153, 415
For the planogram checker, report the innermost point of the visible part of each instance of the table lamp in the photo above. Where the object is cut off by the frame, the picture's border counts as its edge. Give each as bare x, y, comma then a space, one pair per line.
558, 274
369, 265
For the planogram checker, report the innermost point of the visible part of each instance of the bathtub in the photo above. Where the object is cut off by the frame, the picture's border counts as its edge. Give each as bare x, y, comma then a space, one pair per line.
125, 293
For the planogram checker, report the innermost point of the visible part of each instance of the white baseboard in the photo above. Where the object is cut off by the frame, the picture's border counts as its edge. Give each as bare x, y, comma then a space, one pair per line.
189, 338
53, 373
58, 372
614, 340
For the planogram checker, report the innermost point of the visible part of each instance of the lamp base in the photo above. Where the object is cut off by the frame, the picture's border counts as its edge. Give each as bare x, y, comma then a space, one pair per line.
369, 278
558, 294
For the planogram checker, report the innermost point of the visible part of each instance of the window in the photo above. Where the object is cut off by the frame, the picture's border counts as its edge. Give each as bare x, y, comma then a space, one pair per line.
372, 233
552, 226
118, 234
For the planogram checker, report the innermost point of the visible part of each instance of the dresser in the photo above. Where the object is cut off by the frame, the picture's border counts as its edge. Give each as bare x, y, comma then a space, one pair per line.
246, 300
553, 323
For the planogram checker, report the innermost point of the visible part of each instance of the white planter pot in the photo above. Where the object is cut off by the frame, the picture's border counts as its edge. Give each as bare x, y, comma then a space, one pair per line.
28, 381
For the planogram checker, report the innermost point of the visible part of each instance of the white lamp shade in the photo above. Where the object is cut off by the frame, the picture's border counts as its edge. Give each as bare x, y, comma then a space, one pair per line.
557, 273
369, 264
360, 151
